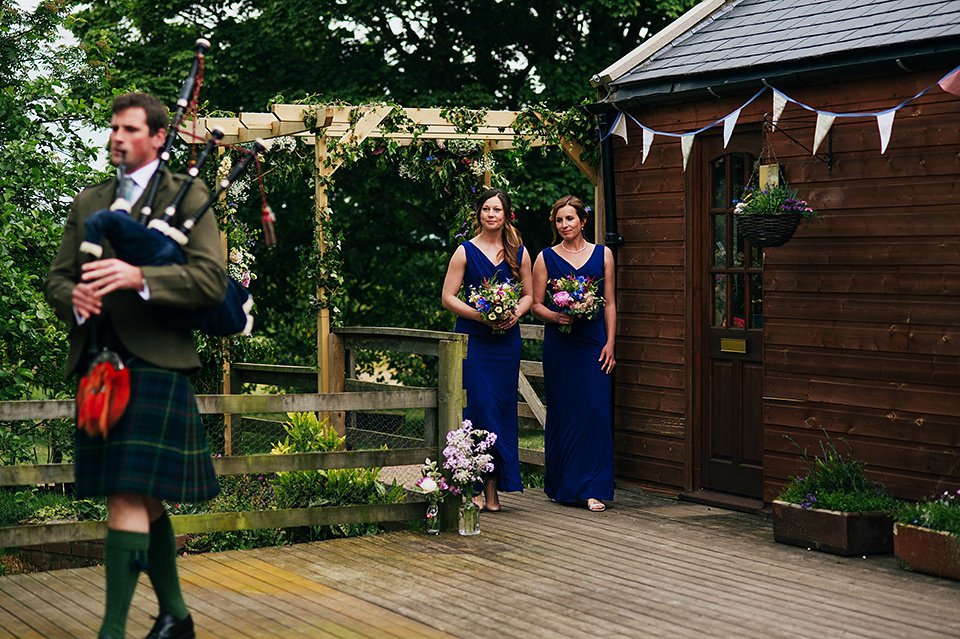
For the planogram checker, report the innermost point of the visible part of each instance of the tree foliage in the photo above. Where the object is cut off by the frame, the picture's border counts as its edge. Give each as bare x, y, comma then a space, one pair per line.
44, 161
479, 54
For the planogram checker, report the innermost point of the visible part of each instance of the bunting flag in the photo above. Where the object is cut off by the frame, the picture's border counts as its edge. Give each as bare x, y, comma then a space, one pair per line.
686, 143
620, 128
647, 141
779, 102
885, 122
728, 123
824, 122
951, 82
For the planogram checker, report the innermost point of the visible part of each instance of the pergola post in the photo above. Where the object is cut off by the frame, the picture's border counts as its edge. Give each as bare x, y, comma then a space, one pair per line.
323, 316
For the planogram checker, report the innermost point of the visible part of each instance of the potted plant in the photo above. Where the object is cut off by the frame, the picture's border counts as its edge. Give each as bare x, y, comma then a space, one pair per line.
769, 216
834, 507
927, 535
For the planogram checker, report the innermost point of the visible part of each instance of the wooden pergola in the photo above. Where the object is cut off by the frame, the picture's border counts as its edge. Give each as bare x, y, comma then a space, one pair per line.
317, 124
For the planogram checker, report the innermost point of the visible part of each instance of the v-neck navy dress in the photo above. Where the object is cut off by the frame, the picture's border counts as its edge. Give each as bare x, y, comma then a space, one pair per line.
491, 371
578, 436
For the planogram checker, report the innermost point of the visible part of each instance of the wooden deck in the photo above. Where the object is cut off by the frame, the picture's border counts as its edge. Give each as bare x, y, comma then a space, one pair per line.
648, 567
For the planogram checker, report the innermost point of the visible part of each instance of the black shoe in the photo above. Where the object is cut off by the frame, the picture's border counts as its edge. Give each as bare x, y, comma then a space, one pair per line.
166, 627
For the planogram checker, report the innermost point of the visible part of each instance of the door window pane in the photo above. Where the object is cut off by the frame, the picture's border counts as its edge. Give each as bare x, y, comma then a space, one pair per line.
738, 253
756, 301
720, 240
738, 308
738, 175
756, 257
718, 183
719, 299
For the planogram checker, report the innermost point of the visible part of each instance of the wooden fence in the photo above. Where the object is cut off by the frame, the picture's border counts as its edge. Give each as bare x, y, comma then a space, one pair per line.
442, 408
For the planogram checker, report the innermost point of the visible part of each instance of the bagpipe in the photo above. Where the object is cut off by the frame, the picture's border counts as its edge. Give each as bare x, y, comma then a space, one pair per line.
148, 241
104, 391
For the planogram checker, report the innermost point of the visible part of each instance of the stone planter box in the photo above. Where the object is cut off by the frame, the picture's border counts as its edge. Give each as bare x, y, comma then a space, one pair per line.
838, 533
931, 551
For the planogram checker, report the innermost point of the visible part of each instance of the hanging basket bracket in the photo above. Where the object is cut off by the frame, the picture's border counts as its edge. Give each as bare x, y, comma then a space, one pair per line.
826, 158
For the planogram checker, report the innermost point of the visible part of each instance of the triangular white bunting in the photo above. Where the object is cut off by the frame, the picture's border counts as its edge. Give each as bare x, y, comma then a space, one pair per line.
824, 122
620, 127
686, 143
647, 141
779, 102
885, 122
728, 123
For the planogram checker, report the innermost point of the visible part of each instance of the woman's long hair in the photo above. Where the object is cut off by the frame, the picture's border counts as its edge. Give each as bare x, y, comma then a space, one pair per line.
578, 206
512, 241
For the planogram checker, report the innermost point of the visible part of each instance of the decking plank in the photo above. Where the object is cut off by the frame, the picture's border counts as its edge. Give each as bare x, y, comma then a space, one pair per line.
810, 589
341, 606
647, 567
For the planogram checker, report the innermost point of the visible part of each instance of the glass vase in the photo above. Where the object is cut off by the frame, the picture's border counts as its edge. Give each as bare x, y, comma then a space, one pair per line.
433, 519
469, 518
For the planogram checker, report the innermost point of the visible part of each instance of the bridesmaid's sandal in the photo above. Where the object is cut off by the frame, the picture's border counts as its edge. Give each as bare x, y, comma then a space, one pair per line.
491, 508
480, 502
595, 505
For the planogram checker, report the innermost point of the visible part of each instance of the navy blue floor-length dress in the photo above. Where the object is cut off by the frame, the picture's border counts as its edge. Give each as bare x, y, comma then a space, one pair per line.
579, 430
491, 371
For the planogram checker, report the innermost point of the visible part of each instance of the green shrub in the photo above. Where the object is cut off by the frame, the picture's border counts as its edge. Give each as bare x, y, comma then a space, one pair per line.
940, 512
35, 506
336, 487
835, 483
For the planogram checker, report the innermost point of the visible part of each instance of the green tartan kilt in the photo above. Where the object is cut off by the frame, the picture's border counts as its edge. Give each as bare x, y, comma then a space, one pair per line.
157, 449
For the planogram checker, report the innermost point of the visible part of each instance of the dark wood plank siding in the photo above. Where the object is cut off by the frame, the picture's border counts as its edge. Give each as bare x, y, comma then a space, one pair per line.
649, 417
861, 309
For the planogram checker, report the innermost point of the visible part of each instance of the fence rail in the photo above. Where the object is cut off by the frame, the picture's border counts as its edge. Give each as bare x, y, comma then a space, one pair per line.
442, 407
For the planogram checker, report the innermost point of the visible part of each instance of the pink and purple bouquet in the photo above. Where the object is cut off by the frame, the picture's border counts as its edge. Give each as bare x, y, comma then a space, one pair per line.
467, 458
433, 484
496, 300
577, 296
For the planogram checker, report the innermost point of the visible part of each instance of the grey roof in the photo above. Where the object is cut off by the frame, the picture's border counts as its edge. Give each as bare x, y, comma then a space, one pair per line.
775, 34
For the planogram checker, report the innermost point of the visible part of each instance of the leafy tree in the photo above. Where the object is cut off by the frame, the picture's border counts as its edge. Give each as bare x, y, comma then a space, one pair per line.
493, 54
44, 160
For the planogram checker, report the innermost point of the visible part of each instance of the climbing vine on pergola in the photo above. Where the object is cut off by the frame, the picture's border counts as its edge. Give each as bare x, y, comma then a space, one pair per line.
340, 133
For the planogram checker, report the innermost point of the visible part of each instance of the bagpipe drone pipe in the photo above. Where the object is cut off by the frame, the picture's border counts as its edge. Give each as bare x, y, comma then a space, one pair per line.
154, 241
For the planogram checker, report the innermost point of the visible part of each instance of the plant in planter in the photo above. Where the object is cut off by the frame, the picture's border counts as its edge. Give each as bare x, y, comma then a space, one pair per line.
769, 216
927, 535
834, 507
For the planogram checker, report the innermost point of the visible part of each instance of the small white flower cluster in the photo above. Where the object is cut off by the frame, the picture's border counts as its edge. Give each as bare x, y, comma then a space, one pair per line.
466, 456
484, 164
238, 266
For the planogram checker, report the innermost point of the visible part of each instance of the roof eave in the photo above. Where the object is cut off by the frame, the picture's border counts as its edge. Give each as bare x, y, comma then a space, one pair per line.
917, 57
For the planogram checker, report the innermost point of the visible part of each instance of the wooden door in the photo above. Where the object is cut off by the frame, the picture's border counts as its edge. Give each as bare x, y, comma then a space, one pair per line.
732, 434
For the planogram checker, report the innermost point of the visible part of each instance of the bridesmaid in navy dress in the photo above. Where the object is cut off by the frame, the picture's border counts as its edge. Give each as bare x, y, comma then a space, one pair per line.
576, 366
492, 366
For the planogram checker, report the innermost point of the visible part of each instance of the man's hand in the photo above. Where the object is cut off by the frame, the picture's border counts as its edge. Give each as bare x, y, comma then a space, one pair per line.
101, 277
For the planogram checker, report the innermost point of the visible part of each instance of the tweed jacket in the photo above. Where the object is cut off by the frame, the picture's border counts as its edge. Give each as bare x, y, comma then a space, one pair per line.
200, 282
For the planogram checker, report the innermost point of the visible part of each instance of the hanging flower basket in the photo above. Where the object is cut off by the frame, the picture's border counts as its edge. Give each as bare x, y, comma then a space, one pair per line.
767, 229
769, 216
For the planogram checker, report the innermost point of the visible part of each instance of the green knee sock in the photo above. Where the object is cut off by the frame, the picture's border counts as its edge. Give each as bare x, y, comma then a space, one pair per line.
125, 555
162, 568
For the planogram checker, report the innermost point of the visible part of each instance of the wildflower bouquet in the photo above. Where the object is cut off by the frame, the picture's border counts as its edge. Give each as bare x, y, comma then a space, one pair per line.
940, 512
780, 200
496, 300
833, 482
432, 484
466, 457
576, 296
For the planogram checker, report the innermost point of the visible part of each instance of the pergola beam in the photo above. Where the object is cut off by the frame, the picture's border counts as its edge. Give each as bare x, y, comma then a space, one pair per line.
352, 124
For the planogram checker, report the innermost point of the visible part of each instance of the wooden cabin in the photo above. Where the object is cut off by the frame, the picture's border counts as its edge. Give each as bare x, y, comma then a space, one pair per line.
727, 354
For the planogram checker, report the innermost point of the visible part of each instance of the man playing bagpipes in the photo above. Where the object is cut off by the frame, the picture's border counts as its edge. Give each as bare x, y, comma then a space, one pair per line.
155, 449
